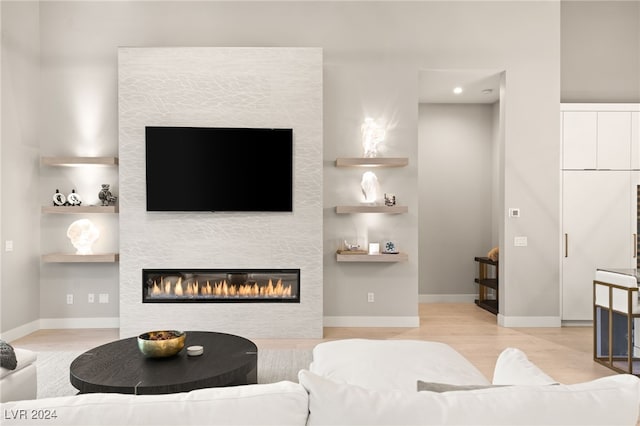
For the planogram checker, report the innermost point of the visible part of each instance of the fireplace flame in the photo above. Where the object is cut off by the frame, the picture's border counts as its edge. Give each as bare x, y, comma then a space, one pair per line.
220, 289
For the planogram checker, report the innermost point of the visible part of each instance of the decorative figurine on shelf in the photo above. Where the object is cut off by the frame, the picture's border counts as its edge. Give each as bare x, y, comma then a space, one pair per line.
59, 199
83, 233
372, 135
74, 199
370, 187
351, 246
107, 198
389, 200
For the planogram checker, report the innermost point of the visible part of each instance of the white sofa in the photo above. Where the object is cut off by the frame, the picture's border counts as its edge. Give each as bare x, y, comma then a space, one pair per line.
364, 382
21, 382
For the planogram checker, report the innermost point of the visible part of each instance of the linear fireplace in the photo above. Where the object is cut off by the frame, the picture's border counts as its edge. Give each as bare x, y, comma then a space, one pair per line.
220, 285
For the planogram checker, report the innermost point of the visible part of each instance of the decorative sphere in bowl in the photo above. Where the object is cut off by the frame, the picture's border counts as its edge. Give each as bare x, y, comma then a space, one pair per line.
161, 343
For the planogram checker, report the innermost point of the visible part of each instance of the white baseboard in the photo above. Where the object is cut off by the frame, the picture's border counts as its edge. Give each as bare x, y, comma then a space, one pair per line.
372, 321
447, 298
577, 323
62, 323
18, 332
515, 322
104, 322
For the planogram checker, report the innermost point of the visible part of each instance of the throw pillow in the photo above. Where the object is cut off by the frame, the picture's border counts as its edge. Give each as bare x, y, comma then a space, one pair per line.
446, 387
514, 368
7, 356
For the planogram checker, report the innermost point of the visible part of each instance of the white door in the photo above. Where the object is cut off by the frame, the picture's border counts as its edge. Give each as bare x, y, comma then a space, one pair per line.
579, 140
596, 209
614, 140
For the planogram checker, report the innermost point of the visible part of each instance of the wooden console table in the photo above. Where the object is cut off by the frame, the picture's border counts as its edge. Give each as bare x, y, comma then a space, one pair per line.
485, 282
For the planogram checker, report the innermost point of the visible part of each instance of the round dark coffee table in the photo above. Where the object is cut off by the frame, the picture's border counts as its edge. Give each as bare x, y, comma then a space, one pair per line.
120, 367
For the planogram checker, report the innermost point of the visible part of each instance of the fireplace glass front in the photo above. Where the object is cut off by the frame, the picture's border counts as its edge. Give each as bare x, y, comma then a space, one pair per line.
220, 285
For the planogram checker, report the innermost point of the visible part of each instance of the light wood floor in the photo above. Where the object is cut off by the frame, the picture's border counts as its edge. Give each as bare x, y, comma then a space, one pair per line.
566, 354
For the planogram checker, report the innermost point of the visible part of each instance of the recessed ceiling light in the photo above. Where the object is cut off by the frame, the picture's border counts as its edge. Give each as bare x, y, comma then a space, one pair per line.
457, 90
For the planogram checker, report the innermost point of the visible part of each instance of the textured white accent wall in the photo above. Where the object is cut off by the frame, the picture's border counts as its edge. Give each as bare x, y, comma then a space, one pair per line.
221, 87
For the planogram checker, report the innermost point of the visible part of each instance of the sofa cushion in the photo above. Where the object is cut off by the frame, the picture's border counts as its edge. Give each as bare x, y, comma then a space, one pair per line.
283, 403
514, 368
393, 364
611, 400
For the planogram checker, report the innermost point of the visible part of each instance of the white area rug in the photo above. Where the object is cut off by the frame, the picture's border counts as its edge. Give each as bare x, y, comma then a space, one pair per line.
274, 365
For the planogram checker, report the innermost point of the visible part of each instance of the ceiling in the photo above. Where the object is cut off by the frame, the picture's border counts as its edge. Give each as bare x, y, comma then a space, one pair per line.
436, 86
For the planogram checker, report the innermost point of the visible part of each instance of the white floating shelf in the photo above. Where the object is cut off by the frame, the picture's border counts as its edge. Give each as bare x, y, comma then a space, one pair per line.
80, 258
371, 209
400, 257
79, 161
79, 209
372, 162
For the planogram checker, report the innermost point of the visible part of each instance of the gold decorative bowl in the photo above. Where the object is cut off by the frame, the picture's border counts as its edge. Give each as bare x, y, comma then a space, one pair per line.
161, 343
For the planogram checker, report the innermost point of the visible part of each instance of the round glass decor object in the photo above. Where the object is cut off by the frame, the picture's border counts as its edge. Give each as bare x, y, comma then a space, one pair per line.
74, 199
59, 199
390, 247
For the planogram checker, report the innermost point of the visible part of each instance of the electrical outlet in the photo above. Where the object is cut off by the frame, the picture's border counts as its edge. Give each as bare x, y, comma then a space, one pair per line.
91, 298
371, 297
69, 299
103, 298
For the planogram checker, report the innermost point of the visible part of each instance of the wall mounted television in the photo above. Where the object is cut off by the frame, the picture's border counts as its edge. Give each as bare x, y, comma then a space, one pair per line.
219, 169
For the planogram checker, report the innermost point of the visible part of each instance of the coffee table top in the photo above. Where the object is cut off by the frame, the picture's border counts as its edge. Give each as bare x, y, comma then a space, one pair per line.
120, 366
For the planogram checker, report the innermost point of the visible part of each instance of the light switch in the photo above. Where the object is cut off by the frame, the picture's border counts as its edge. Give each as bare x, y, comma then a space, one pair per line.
8, 245
514, 212
520, 241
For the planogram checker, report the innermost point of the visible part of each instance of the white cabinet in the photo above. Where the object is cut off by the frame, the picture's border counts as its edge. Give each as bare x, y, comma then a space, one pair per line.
614, 140
600, 136
600, 158
635, 140
579, 139
597, 223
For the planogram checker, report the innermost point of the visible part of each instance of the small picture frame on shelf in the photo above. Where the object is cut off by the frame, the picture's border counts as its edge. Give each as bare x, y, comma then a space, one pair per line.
374, 248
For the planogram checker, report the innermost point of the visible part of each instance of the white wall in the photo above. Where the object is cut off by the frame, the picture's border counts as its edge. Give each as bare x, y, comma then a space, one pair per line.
372, 56
456, 186
600, 51
20, 268
372, 52
222, 87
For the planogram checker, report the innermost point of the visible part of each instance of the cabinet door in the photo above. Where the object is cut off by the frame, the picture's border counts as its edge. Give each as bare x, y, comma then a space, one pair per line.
596, 221
635, 140
614, 140
579, 140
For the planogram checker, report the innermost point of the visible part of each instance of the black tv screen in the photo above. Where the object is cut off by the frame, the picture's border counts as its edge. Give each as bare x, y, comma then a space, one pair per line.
219, 169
